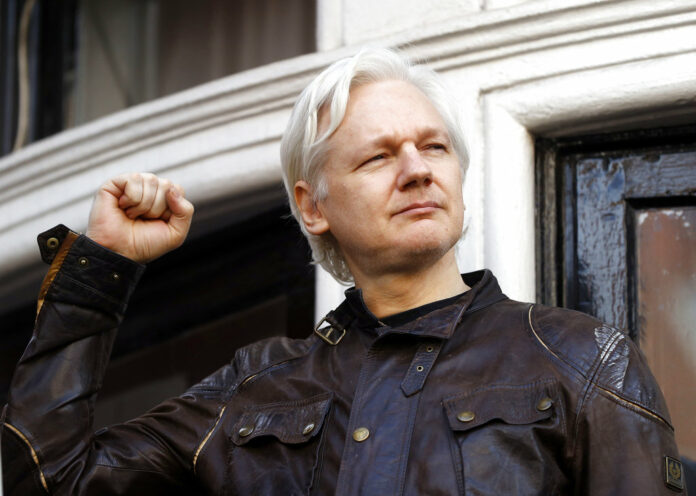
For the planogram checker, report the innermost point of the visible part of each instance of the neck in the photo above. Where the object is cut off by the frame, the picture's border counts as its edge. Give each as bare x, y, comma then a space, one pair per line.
390, 293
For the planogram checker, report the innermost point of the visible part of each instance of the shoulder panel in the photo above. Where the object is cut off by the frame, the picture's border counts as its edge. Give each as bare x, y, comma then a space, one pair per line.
252, 359
256, 357
569, 335
603, 354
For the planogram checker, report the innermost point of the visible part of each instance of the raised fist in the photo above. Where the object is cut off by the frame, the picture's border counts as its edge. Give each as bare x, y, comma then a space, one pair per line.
140, 216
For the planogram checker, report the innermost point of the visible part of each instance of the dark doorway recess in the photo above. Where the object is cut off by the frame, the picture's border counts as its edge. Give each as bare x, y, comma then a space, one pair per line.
588, 191
616, 231
240, 282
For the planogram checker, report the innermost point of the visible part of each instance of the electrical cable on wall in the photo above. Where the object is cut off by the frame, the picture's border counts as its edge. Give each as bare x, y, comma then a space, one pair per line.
23, 66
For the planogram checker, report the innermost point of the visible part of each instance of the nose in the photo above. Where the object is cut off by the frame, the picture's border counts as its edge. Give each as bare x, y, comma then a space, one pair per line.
414, 170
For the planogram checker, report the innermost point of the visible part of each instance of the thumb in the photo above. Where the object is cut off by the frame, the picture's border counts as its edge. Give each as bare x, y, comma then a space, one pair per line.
181, 209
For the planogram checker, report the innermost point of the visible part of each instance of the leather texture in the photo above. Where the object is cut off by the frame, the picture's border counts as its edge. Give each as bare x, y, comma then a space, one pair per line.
486, 396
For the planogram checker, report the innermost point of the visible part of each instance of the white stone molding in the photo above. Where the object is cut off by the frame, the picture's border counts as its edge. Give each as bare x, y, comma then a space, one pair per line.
538, 68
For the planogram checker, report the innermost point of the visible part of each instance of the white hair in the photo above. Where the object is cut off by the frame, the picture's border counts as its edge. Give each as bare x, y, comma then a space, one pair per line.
303, 152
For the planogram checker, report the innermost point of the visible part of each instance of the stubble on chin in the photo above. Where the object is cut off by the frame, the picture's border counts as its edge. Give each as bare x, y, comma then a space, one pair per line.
418, 252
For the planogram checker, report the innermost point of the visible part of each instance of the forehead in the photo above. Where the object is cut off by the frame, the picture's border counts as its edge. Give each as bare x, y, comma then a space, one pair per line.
385, 110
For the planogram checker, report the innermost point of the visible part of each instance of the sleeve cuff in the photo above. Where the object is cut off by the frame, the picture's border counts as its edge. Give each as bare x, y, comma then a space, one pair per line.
89, 273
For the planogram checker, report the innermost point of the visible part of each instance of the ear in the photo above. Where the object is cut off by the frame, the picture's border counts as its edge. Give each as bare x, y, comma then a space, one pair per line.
313, 218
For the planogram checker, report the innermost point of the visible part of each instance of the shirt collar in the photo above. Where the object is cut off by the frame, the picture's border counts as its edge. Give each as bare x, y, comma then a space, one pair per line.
439, 323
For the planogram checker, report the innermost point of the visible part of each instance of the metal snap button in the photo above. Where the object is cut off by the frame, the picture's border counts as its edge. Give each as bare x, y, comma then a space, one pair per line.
466, 416
83, 261
429, 349
419, 368
52, 243
246, 430
360, 434
308, 428
544, 404
115, 277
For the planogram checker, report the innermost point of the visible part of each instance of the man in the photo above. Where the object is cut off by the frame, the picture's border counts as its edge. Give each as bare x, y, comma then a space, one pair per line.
422, 382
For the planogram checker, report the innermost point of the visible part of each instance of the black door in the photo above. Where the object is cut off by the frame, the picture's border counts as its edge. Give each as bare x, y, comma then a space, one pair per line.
616, 227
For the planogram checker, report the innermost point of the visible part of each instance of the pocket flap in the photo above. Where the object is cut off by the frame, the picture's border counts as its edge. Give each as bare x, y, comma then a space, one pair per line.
512, 404
291, 422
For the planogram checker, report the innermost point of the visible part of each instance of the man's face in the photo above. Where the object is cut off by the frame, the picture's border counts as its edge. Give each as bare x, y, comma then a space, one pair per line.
394, 197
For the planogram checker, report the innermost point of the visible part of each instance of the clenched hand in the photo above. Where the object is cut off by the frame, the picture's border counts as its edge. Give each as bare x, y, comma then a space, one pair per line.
140, 216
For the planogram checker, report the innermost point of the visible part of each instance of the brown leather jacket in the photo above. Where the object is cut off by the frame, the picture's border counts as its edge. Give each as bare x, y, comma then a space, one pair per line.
486, 396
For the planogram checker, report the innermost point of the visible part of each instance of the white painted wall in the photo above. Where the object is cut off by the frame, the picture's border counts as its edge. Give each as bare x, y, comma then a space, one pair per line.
354, 22
519, 70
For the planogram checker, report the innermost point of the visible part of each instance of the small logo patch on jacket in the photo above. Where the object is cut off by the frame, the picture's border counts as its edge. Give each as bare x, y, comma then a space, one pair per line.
673, 474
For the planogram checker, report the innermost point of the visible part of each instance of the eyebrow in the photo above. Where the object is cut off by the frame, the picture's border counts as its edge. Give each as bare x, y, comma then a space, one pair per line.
424, 133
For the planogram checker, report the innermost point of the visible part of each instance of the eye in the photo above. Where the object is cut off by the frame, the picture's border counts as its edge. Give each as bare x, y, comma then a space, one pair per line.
436, 146
375, 158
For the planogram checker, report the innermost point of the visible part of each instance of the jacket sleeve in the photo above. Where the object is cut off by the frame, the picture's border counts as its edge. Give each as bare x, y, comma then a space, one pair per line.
48, 446
625, 440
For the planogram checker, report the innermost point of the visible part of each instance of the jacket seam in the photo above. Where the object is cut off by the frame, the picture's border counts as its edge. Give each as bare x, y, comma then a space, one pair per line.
359, 399
629, 404
264, 370
207, 437
405, 449
591, 382
498, 386
567, 363
232, 391
594, 371
584, 376
32, 451
614, 395
633, 405
603, 358
319, 462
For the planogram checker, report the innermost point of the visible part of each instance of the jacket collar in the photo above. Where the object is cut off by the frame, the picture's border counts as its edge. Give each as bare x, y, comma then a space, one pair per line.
439, 323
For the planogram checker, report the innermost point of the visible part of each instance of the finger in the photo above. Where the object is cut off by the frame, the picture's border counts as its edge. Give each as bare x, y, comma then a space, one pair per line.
181, 212
112, 191
149, 184
159, 204
117, 185
130, 189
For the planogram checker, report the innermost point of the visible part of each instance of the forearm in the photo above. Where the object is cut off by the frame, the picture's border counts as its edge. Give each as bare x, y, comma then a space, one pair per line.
51, 399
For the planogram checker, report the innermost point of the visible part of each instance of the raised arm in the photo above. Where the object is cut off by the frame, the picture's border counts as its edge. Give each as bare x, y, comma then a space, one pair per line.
47, 439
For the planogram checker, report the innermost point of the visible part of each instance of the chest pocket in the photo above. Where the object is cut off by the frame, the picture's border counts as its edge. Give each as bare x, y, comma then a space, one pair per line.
276, 448
508, 439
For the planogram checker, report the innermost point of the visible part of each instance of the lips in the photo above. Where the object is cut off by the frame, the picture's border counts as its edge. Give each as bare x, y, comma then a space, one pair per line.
419, 207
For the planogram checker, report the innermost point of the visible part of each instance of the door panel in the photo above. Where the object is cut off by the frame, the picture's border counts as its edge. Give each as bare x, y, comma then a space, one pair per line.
666, 309
616, 231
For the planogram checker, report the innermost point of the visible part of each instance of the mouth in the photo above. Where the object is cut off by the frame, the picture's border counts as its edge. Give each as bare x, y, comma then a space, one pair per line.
419, 208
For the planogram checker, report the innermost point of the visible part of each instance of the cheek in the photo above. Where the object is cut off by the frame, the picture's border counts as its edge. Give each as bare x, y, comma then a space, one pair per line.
457, 206
351, 198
